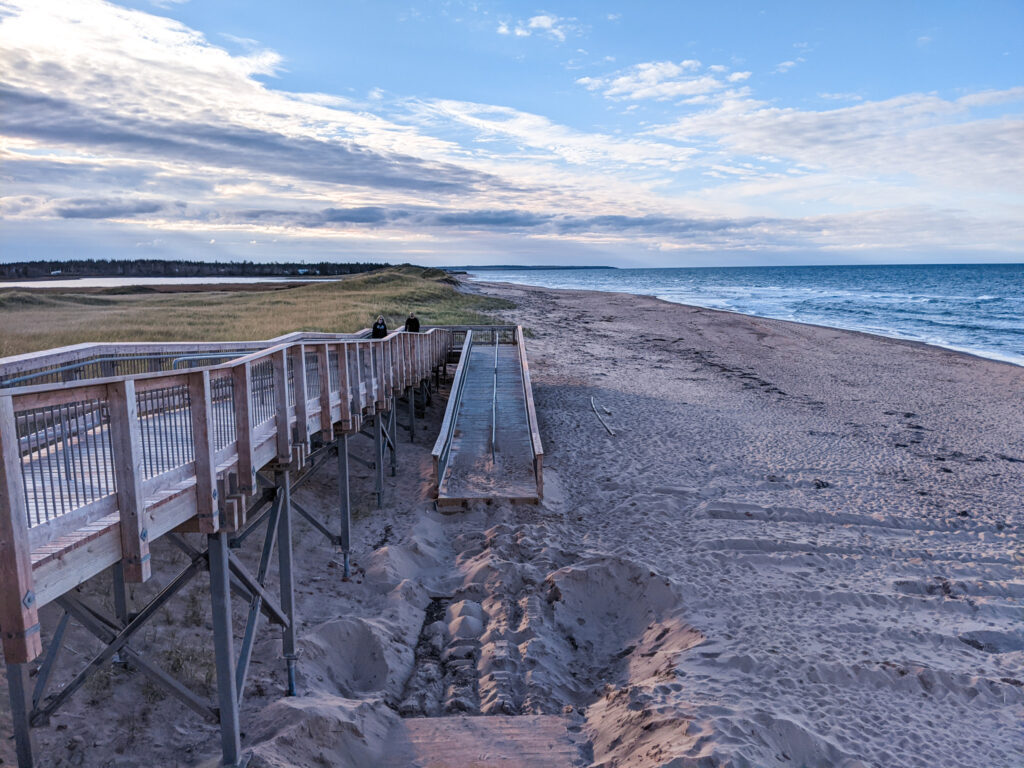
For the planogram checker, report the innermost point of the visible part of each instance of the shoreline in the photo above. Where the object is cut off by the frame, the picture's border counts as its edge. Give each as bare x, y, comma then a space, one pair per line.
798, 548
984, 354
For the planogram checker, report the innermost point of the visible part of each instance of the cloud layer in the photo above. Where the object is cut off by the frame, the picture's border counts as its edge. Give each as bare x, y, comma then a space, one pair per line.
129, 124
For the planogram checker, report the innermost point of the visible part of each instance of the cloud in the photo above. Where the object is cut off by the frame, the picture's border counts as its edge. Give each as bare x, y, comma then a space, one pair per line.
920, 136
658, 80
554, 27
784, 66
122, 128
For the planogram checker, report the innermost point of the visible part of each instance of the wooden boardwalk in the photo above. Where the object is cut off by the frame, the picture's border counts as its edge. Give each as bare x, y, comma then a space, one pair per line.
494, 449
106, 448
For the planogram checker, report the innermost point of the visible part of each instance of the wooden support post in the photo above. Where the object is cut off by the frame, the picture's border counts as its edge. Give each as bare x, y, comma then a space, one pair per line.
207, 508
242, 391
126, 438
301, 399
19, 615
326, 422
284, 432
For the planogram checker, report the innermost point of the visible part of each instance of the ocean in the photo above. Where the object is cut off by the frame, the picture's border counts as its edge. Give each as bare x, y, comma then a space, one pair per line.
976, 308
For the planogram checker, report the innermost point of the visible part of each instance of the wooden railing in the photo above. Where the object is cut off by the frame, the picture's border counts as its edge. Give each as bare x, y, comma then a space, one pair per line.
99, 360
531, 414
92, 472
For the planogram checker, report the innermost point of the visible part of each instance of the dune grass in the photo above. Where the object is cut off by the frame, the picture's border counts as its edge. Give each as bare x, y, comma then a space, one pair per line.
31, 321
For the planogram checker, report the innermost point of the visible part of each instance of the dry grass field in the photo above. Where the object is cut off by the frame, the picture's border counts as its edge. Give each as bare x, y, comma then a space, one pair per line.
41, 319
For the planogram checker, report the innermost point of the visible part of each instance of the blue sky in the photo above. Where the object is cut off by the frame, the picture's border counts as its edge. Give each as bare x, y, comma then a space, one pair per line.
646, 134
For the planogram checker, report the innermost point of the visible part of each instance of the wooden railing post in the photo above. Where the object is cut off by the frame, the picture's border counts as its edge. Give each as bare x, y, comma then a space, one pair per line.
19, 614
126, 438
284, 432
323, 357
344, 390
242, 390
201, 408
301, 396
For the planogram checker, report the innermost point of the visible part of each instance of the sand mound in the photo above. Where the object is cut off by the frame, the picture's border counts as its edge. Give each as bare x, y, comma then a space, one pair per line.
320, 730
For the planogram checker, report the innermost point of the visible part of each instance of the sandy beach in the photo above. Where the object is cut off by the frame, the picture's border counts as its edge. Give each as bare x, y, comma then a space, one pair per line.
792, 546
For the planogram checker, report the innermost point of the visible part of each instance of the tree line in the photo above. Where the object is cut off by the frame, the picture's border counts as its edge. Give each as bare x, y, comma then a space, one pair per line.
167, 268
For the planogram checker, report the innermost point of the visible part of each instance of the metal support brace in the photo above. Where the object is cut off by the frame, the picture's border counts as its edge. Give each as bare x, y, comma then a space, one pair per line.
118, 636
56, 644
391, 433
18, 688
255, 604
311, 519
223, 643
284, 552
345, 534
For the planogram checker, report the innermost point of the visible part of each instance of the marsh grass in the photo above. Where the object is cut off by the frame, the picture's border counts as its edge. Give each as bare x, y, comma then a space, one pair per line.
31, 322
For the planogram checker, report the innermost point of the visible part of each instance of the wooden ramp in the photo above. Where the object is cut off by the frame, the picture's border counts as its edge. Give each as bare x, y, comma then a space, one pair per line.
489, 447
488, 741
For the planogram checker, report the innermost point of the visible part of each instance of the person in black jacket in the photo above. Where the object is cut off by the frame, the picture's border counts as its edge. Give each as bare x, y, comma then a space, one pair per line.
412, 323
380, 328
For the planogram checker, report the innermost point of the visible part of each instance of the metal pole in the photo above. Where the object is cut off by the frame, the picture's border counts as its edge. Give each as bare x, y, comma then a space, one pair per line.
224, 648
120, 597
18, 688
378, 445
284, 553
412, 414
344, 503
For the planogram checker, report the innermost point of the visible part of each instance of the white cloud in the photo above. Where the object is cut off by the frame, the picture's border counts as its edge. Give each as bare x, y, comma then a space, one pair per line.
552, 26
659, 80
784, 66
738, 77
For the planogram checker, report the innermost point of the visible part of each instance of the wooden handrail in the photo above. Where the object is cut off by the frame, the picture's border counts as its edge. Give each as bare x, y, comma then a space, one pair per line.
41, 561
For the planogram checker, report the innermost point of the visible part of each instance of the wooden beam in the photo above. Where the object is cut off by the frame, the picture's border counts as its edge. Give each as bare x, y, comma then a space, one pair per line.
301, 401
345, 392
207, 508
323, 357
126, 438
242, 377
19, 612
284, 432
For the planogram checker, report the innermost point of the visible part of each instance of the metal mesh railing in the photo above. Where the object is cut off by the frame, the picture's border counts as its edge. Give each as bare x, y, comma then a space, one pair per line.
312, 375
67, 457
165, 421
222, 395
333, 374
263, 406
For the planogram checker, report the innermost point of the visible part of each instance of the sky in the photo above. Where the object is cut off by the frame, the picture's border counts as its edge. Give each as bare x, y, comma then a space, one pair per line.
654, 134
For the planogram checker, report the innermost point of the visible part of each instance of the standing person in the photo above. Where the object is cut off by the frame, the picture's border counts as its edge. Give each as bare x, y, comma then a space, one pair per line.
380, 328
412, 323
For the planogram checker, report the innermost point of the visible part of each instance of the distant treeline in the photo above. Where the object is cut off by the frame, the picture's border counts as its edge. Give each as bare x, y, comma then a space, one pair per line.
163, 268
